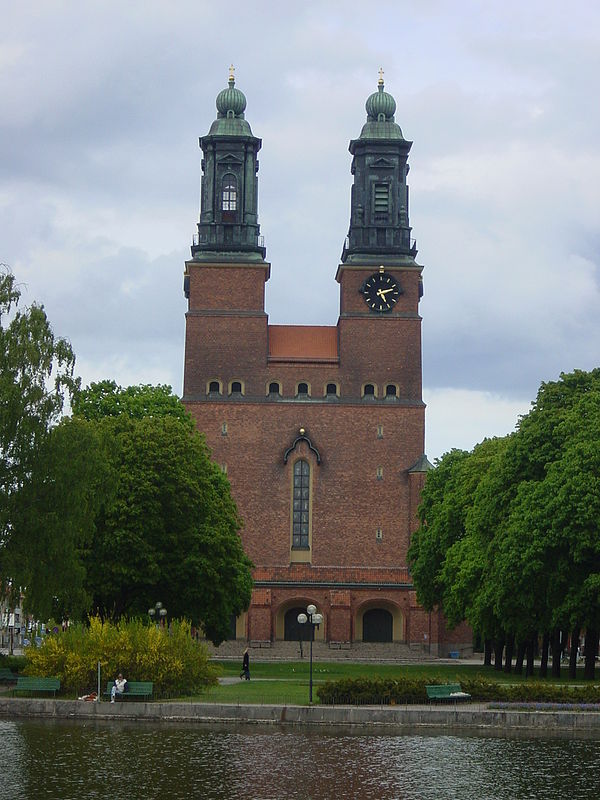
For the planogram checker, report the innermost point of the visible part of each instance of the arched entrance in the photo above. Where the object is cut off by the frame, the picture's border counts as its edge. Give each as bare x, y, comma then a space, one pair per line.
378, 625
293, 631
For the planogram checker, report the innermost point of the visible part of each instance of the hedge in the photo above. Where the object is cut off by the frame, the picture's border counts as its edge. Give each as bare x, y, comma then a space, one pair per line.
402, 691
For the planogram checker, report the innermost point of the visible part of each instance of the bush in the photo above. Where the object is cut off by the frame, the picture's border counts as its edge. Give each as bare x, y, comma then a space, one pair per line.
14, 663
176, 663
376, 691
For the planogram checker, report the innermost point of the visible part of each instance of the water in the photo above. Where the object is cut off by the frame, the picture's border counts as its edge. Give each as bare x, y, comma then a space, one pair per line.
43, 760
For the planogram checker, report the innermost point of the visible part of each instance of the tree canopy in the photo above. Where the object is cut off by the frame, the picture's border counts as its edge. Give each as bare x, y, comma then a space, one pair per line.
510, 533
169, 530
44, 500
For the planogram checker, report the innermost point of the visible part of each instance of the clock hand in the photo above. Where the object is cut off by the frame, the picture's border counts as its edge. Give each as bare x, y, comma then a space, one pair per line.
383, 292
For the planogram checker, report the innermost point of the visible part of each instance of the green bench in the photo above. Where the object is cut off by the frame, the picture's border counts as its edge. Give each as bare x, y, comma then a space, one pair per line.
7, 675
33, 684
446, 691
135, 689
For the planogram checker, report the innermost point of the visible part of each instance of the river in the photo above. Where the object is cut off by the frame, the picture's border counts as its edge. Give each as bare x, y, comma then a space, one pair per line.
42, 760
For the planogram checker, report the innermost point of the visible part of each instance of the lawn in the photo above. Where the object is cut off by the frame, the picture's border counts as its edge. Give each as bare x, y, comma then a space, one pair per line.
288, 682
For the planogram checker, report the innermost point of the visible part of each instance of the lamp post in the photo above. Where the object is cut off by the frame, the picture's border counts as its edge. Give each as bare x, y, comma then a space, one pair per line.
313, 619
158, 614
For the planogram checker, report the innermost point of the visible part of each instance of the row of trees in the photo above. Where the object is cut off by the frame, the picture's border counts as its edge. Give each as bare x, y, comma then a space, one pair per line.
115, 506
510, 533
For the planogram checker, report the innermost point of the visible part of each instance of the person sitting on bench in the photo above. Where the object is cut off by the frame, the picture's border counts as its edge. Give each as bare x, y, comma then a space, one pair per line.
118, 687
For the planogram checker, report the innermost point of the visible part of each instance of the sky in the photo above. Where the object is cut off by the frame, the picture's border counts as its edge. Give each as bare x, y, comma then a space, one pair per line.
102, 104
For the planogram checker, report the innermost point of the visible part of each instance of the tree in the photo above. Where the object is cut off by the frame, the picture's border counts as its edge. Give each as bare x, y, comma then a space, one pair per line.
36, 377
170, 532
510, 534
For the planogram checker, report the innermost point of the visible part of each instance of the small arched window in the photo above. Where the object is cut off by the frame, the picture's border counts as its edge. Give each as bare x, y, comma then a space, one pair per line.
391, 390
331, 390
303, 390
236, 387
369, 390
214, 387
274, 388
229, 200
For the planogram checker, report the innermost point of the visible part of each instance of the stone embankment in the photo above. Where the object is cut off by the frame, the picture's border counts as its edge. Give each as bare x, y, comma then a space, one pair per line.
471, 717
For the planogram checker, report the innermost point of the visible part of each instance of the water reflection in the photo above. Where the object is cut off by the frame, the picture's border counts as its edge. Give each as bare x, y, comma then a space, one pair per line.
70, 761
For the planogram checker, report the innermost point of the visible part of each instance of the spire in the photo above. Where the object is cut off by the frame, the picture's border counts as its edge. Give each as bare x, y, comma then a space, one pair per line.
228, 226
379, 226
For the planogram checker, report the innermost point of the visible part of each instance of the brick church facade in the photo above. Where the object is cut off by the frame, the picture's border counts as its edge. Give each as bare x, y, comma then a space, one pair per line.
320, 428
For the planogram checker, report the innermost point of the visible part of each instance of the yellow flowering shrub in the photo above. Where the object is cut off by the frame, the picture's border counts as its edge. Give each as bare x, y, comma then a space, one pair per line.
176, 663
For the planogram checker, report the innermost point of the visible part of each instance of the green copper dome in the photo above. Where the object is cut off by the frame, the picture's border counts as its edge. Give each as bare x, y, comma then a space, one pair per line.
381, 108
231, 102
381, 103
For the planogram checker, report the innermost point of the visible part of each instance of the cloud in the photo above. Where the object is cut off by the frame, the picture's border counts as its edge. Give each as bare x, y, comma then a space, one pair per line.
103, 103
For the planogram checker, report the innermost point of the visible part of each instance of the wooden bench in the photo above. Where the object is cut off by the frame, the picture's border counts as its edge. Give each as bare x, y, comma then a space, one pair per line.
135, 690
34, 684
7, 675
446, 691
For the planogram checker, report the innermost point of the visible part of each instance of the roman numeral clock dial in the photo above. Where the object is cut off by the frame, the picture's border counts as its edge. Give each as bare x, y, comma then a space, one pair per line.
381, 291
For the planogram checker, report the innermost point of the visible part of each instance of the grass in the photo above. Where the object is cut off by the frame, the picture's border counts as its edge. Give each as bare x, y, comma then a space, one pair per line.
288, 682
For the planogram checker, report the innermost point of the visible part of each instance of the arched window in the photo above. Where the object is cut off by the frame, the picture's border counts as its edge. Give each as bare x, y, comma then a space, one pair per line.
275, 388
301, 506
391, 390
214, 387
236, 387
303, 390
369, 390
331, 390
229, 199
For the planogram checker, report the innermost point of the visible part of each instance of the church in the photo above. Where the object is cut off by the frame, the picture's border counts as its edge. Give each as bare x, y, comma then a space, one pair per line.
320, 429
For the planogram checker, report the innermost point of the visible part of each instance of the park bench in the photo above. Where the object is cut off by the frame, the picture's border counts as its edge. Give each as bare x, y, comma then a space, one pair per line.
7, 675
446, 691
34, 684
135, 689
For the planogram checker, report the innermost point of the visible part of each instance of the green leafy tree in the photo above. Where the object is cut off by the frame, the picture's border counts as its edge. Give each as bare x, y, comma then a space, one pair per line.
170, 531
42, 498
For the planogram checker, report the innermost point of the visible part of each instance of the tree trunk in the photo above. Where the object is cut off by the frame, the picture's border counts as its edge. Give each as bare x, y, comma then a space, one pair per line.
498, 648
487, 653
556, 653
574, 652
544, 656
591, 650
510, 646
529, 647
521, 648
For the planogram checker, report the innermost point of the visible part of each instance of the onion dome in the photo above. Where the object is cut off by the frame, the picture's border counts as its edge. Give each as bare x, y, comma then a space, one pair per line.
231, 102
381, 107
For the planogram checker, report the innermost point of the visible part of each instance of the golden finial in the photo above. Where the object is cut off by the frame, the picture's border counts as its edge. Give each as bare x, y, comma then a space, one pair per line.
231, 72
301, 431
380, 82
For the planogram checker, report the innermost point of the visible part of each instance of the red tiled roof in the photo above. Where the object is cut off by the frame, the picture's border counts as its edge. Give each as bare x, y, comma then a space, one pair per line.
303, 342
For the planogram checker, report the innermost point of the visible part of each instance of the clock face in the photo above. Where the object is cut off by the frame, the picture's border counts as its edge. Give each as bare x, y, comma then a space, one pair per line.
381, 291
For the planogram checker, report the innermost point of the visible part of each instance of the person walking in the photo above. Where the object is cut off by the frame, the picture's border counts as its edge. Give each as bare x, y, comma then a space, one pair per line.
245, 673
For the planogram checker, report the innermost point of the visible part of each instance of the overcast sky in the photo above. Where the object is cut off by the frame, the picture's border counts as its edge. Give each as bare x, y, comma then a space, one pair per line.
102, 104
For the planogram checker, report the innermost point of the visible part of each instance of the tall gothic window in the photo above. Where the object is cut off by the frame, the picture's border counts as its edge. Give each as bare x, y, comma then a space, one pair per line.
301, 505
229, 193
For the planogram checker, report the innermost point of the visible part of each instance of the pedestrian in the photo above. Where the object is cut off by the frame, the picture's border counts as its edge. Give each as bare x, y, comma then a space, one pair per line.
245, 673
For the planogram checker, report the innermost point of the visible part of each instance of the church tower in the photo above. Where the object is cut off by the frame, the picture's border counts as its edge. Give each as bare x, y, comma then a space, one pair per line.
320, 428
224, 281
